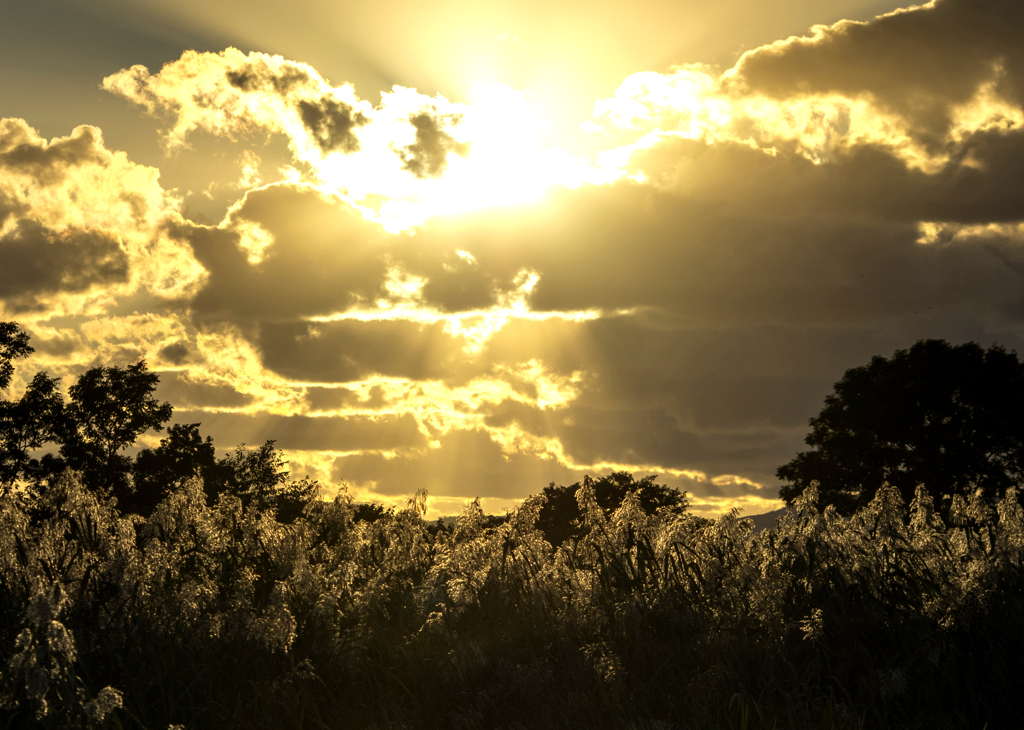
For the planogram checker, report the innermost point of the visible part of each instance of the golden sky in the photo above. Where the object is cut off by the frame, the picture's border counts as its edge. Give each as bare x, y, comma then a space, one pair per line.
479, 247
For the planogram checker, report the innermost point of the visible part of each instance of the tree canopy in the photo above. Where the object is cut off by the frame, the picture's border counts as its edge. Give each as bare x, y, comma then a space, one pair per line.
947, 417
110, 408
561, 519
13, 345
93, 433
27, 424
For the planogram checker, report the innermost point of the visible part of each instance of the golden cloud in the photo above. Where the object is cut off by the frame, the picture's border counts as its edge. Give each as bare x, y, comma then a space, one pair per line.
82, 225
409, 158
919, 83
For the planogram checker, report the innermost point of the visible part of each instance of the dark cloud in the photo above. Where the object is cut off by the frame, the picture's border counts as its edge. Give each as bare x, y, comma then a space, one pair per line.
712, 399
720, 261
428, 155
718, 399
651, 436
332, 123
354, 433
183, 393
458, 291
862, 183
324, 258
330, 399
452, 283
917, 63
257, 76
177, 353
531, 419
354, 350
46, 163
35, 262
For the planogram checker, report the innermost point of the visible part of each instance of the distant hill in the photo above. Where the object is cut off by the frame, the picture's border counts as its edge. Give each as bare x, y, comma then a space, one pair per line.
766, 520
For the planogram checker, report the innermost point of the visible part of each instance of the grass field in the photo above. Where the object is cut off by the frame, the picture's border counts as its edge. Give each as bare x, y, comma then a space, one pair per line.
220, 616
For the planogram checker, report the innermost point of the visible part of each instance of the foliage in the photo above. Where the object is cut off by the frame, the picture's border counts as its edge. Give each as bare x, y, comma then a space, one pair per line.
25, 425
259, 478
943, 416
109, 408
180, 456
222, 615
561, 519
13, 345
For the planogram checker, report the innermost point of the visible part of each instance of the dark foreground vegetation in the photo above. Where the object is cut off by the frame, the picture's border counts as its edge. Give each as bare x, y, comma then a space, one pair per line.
224, 617
251, 603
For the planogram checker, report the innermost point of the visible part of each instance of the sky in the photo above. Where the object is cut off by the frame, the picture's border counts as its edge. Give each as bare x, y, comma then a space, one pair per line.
476, 248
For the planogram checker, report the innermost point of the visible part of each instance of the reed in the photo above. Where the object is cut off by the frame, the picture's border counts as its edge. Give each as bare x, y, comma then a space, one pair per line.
221, 616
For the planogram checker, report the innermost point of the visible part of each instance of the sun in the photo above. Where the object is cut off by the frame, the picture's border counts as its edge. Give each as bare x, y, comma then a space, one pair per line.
498, 155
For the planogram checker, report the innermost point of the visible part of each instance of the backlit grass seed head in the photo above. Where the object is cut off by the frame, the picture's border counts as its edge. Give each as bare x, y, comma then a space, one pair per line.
108, 700
813, 627
46, 603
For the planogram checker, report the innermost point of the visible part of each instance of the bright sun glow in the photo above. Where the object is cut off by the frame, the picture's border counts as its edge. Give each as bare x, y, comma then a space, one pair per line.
505, 161
415, 156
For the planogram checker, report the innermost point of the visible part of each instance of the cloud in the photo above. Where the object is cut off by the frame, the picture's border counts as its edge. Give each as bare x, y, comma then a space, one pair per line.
919, 83
185, 394
286, 251
231, 93
176, 353
352, 350
21, 152
460, 156
330, 122
260, 72
81, 226
716, 262
36, 263
289, 256
921, 63
468, 465
428, 155
9, 208
355, 433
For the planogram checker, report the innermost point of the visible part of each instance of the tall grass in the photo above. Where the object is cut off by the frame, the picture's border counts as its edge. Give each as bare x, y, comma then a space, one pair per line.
220, 616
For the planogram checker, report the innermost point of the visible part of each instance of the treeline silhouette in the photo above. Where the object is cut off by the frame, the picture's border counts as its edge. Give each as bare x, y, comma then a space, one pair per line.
943, 416
240, 599
107, 410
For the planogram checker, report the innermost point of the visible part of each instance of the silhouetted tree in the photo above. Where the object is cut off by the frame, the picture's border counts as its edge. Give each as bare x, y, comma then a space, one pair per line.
260, 479
109, 408
942, 416
561, 519
369, 512
183, 454
13, 345
29, 422
26, 424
